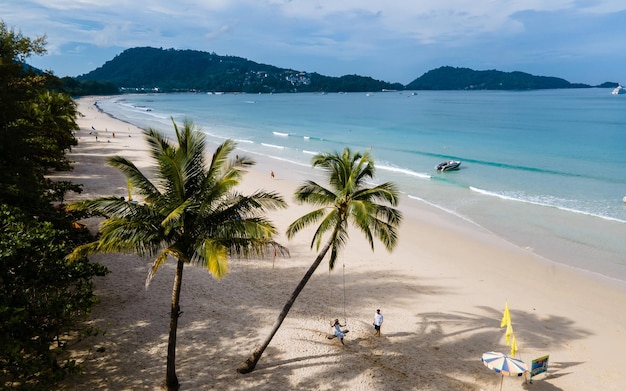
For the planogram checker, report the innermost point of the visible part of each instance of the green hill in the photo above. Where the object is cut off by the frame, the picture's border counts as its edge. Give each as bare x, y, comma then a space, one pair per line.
188, 70
450, 78
169, 70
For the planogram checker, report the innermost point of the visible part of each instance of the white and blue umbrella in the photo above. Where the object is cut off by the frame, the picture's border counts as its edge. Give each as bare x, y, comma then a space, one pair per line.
504, 364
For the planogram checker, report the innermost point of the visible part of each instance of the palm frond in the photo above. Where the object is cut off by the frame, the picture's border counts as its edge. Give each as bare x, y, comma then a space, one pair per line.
361, 217
339, 239
214, 256
304, 221
173, 217
134, 176
172, 176
83, 251
386, 232
130, 236
256, 203
386, 192
329, 223
314, 194
158, 262
220, 159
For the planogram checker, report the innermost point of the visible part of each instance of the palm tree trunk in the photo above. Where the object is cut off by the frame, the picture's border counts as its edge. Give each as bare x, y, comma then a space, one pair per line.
171, 380
249, 365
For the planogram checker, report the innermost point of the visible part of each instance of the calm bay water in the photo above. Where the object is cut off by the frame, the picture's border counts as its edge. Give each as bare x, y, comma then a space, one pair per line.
545, 170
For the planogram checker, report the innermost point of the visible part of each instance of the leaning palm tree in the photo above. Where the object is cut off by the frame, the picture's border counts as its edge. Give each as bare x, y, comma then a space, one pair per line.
190, 212
347, 200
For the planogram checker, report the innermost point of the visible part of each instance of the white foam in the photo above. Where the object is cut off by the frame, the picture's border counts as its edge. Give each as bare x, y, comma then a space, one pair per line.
404, 171
449, 211
543, 204
272, 146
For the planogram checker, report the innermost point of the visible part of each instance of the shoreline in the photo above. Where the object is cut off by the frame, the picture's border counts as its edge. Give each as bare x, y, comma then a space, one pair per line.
442, 292
583, 241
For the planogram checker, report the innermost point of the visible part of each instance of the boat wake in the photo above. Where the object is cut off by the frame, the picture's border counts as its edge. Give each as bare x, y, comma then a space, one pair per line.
403, 171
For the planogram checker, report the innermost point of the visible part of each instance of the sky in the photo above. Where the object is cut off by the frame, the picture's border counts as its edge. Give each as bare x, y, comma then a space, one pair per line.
581, 41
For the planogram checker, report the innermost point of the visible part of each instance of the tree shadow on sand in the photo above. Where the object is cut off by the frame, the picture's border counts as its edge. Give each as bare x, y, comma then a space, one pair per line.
220, 324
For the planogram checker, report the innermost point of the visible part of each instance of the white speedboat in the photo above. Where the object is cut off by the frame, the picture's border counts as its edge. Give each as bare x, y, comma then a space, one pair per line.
619, 90
448, 165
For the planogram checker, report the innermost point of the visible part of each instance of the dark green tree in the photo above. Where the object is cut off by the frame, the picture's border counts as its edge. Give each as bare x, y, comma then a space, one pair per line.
191, 213
36, 125
348, 199
42, 298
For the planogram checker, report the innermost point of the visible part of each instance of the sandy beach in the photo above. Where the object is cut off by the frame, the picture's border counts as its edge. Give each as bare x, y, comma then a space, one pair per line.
442, 293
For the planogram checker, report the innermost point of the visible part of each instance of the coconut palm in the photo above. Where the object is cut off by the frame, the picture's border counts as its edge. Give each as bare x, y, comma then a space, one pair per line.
190, 212
347, 200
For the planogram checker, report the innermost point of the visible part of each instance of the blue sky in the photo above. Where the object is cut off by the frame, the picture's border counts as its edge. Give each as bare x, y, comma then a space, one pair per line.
396, 41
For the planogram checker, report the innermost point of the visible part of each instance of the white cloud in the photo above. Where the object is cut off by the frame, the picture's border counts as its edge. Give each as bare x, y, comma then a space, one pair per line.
336, 34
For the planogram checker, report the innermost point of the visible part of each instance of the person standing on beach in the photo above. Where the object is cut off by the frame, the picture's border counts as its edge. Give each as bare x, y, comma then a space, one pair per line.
378, 322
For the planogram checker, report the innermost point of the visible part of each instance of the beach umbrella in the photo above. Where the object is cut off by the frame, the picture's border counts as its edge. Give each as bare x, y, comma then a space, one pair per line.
504, 364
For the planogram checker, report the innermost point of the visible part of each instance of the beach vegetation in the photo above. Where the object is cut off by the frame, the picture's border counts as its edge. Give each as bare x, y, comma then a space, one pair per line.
43, 298
36, 124
73, 87
189, 211
348, 199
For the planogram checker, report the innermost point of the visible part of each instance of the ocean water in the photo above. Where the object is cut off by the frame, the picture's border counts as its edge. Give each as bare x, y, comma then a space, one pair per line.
546, 170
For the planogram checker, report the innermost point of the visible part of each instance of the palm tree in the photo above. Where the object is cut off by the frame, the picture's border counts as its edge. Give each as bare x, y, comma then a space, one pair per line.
347, 200
190, 212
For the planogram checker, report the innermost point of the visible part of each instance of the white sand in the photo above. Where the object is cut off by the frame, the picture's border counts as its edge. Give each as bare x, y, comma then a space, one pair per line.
442, 292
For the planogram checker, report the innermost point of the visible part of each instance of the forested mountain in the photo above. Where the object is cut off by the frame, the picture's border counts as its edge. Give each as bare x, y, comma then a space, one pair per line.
451, 78
166, 70
185, 70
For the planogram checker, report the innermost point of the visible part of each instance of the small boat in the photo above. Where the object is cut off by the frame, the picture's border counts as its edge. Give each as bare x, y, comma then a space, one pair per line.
619, 90
448, 165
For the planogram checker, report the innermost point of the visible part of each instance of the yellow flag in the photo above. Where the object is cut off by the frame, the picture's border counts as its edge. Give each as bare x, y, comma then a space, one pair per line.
509, 333
506, 317
513, 346
130, 189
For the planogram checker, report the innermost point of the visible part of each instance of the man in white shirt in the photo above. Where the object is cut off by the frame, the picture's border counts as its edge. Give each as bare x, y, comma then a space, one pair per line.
378, 322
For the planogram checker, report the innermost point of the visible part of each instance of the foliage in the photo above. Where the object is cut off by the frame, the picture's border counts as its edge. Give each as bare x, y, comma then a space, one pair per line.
348, 199
450, 78
36, 125
191, 212
42, 299
145, 69
73, 87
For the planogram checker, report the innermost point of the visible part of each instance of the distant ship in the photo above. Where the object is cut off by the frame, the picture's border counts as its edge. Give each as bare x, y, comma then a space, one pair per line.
619, 90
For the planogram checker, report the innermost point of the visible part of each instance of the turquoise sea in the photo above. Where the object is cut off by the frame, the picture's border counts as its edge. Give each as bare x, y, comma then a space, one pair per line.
546, 170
